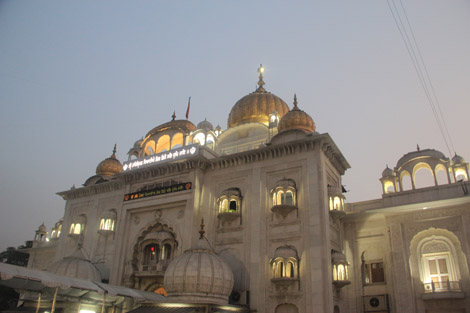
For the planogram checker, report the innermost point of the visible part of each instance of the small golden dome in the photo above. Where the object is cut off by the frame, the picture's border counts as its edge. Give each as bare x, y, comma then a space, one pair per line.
256, 106
296, 119
109, 166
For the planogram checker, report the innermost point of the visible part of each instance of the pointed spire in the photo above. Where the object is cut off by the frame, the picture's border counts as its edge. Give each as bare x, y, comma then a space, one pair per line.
295, 108
114, 152
173, 117
417, 147
260, 82
202, 232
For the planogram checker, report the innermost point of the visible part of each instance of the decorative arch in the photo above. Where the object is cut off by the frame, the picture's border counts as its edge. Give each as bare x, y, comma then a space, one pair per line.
150, 147
163, 144
287, 308
441, 174
146, 240
177, 140
423, 175
436, 254
404, 184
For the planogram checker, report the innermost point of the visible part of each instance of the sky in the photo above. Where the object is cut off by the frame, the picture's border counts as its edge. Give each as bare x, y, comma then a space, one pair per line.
78, 77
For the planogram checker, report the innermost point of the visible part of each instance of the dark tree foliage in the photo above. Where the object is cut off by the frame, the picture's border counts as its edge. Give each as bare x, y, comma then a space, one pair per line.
15, 256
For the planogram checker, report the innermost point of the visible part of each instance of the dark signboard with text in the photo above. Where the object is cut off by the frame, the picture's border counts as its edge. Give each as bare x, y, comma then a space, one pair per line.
157, 191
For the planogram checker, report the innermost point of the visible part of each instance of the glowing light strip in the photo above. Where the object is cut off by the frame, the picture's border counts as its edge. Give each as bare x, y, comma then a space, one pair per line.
174, 154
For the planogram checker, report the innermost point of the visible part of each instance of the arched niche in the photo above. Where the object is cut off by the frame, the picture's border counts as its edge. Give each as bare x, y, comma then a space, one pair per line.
287, 308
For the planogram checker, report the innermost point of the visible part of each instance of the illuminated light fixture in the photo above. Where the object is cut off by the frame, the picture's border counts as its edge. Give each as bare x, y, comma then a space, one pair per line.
425, 208
82, 311
174, 305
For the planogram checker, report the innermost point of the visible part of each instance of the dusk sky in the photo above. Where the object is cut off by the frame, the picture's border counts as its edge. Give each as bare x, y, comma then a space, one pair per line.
78, 77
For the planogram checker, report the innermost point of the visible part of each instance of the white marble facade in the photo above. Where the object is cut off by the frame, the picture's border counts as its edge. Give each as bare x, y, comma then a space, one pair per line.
275, 213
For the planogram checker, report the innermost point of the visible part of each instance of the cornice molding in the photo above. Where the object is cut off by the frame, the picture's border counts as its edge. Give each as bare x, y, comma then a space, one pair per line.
109, 186
324, 141
199, 162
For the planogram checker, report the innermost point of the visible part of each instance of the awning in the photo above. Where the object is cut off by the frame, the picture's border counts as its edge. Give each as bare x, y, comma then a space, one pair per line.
32, 280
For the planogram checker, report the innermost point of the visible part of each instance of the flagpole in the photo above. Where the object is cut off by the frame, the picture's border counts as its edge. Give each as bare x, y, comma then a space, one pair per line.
187, 110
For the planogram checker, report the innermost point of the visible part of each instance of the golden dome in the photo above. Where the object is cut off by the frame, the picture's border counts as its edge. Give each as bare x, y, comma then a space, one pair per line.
256, 106
109, 166
296, 119
183, 125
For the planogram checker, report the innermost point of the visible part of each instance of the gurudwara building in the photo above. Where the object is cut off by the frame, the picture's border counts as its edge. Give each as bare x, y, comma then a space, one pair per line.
277, 235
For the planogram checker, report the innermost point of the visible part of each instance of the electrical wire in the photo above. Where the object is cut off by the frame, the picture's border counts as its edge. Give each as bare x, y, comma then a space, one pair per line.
419, 65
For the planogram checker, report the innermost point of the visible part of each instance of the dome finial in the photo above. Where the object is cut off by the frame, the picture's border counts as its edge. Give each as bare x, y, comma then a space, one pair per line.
114, 151
295, 108
260, 82
202, 232
173, 117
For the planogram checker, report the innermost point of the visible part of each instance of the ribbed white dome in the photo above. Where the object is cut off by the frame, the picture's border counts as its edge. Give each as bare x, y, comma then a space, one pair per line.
76, 265
199, 275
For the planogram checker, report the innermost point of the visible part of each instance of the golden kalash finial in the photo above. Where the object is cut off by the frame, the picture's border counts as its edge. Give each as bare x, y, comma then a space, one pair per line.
260, 82
202, 232
173, 116
295, 108
114, 151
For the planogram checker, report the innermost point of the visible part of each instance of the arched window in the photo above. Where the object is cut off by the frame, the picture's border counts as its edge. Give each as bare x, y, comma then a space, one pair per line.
163, 144
423, 175
151, 253
290, 269
461, 174
224, 206
166, 252
284, 193
200, 138
177, 140
279, 198
149, 147
229, 201
78, 225
340, 269
209, 139
439, 268
280, 269
233, 206
436, 253
289, 199
405, 179
108, 221
76, 228
284, 264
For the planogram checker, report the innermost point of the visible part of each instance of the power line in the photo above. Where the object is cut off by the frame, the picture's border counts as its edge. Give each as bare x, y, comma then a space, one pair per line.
419, 65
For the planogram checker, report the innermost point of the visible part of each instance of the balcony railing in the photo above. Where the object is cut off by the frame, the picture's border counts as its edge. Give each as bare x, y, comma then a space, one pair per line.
153, 269
443, 286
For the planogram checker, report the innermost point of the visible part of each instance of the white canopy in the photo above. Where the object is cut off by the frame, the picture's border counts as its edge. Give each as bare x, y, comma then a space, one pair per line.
27, 279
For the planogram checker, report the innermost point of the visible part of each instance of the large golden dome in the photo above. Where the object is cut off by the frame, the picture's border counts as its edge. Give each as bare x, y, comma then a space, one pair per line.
296, 119
109, 166
256, 106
